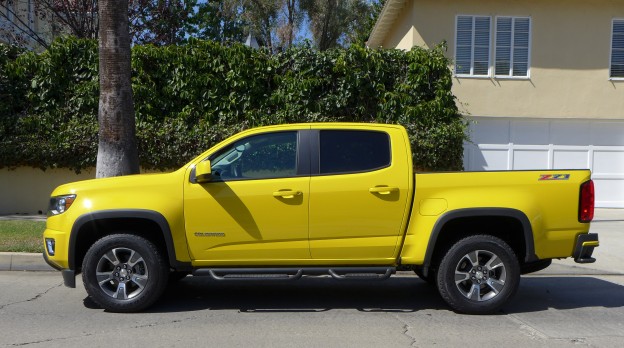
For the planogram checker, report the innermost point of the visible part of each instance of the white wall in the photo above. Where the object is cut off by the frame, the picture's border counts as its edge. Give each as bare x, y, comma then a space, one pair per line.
27, 190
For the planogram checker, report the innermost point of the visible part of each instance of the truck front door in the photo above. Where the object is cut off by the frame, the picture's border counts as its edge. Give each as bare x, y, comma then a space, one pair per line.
255, 210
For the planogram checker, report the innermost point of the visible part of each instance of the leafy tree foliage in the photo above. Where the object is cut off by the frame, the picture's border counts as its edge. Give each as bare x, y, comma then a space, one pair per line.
331, 20
276, 24
189, 97
217, 20
359, 34
160, 22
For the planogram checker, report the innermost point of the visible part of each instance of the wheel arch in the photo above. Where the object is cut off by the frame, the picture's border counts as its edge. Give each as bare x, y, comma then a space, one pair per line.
149, 224
449, 222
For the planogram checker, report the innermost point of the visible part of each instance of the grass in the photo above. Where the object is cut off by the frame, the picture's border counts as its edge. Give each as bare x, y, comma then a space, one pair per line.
21, 236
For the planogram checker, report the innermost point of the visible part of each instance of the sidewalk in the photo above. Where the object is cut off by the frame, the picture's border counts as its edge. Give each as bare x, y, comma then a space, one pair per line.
608, 223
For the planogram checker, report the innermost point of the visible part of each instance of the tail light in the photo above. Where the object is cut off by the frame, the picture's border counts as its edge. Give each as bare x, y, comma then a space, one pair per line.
586, 202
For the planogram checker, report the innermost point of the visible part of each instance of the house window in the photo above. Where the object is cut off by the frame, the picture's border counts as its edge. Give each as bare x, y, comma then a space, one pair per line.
472, 46
512, 46
617, 49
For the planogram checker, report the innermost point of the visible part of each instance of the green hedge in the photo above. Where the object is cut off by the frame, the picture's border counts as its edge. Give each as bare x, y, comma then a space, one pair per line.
189, 97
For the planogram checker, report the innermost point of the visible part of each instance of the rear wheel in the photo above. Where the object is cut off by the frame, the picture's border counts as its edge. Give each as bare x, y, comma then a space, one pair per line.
478, 275
124, 273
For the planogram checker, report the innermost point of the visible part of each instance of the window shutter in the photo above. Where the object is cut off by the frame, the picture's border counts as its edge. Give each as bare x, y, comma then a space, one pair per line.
617, 49
463, 51
512, 46
520, 65
482, 46
472, 48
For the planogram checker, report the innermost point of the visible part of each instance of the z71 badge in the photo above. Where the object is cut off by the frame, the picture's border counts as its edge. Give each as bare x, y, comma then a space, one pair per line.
554, 177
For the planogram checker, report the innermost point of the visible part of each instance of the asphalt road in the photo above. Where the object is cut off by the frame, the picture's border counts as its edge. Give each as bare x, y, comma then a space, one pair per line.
564, 305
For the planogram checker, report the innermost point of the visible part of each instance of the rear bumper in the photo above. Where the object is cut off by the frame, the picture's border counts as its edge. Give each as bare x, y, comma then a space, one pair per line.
584, 247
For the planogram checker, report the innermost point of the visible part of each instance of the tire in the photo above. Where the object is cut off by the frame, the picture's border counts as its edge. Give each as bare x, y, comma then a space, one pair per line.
124, 273
478, 275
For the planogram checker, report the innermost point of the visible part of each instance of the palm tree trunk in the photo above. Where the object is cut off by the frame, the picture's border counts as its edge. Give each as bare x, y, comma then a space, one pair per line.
117, 147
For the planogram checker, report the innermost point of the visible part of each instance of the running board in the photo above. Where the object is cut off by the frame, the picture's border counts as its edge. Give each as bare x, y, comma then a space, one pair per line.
341, 273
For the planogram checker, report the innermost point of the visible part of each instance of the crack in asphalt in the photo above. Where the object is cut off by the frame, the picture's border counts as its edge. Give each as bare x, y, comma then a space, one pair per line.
574, 341
36, 297
57, 339
43, 341
406, 328
527, 329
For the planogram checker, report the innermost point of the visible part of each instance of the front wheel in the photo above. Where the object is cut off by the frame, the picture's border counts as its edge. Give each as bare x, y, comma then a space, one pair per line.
124, 273
478, 275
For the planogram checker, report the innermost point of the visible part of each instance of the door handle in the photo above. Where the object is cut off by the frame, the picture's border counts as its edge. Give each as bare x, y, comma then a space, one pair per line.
383, 190
286, 193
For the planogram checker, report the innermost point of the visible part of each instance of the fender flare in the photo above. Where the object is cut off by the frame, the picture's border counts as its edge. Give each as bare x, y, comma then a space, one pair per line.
483, 212
150, 215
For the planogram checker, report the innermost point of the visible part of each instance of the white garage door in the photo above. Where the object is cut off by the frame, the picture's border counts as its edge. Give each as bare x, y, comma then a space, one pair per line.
504, 144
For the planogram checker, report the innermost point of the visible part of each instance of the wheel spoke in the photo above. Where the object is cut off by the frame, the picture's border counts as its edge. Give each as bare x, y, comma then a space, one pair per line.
111, 256
473, 257
474, 293
461, 277
139, 280
494, 262
138, 260
121, 292
103, 277
496, 285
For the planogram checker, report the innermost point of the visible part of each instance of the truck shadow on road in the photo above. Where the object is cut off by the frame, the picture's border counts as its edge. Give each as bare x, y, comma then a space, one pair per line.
306, 295
565, 292
399, 294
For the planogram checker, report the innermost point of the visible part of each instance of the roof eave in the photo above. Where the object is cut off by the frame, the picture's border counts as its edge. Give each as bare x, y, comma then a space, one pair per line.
388, 15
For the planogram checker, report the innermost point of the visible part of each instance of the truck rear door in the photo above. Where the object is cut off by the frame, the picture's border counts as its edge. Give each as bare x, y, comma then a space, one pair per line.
360, 192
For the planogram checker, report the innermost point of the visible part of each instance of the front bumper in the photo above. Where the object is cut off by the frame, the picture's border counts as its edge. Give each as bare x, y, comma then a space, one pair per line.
584, 247
69, 275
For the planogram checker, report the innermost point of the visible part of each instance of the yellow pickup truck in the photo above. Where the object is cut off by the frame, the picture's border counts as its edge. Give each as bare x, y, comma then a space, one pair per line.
335, 199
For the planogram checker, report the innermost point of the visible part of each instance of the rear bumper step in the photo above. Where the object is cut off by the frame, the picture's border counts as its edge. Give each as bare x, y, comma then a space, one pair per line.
585, 244
342, 273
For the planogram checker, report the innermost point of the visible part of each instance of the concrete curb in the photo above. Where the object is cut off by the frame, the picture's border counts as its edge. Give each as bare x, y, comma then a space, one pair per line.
23, 217
23, 262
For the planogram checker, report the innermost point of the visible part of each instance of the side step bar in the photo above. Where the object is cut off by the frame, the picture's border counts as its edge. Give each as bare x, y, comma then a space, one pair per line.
341, 273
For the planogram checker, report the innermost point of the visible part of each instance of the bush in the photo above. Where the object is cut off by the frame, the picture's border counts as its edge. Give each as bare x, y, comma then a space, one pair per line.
187, 98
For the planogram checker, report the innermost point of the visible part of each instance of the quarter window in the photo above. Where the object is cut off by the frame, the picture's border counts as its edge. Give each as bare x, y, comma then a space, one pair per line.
353, 151
472, 46
617, 49
512, 46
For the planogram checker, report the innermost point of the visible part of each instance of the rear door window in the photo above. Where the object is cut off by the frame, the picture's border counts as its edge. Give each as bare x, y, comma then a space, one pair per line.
350, 151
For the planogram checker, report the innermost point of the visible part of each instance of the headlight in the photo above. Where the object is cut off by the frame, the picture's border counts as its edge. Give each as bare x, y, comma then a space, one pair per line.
60, 204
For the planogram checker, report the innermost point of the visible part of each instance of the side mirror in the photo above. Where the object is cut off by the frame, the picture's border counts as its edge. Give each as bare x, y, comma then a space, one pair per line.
203, 172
